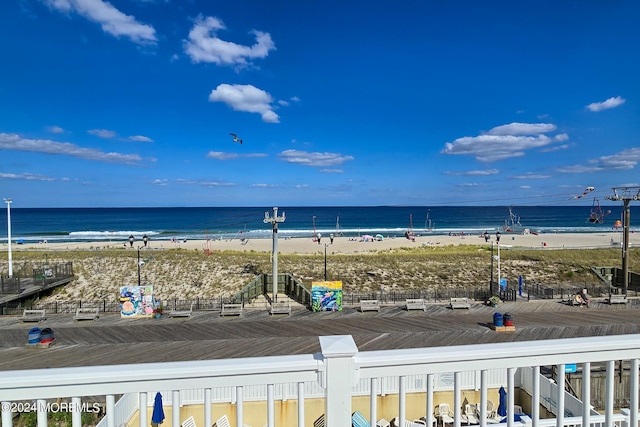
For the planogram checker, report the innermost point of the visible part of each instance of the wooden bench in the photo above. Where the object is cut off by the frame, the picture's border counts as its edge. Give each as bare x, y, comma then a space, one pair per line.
181, 313
231, 310
459, 303
369, 305
416, 304
87, 314
617, 299
33, 316
280, 308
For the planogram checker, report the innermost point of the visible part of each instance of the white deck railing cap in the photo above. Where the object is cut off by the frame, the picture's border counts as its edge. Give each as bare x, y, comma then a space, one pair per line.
338, 346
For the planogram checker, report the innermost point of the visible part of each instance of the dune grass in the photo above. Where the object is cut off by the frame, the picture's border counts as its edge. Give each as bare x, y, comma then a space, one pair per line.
182, 273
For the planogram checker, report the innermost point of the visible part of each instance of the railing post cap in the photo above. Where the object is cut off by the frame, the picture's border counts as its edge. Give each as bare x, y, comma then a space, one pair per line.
338, 346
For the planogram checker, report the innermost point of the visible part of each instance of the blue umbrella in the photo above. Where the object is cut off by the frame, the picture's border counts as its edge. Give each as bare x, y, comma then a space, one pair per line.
158, 411
502, 407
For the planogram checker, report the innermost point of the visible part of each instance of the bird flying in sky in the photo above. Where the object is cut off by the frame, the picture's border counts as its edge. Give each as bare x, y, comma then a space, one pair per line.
235, 138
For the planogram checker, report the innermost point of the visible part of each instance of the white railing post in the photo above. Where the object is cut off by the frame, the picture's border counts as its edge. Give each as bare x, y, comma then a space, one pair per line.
42, 412
373, 402
560, 381
239, 406
175, 408
110, 403
338, 353
300, 404
634, 378
76, 412
271, 417
511, 401
7, 415
586, 393
483, 398
208, 418
535, 395
402, 400
430, 407
142, 405
457, 401
609, 390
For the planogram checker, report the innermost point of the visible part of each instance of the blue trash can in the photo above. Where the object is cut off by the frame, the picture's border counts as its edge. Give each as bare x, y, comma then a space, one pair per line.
34, 335
497, 319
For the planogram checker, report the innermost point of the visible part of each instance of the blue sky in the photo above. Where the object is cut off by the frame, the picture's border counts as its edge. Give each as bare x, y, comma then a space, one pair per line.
132, 102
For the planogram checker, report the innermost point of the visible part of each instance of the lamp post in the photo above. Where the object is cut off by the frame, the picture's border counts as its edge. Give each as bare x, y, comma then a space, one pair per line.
274, 220
498, 243
486, 239
145, 239
139, 265
325, 262
131, 239
8, 202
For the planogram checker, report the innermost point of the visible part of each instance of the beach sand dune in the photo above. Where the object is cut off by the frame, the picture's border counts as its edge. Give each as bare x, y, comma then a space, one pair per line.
183, 270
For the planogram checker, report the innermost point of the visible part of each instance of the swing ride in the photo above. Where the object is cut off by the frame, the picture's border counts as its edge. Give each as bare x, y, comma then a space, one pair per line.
597, 214
409, 234
512, 223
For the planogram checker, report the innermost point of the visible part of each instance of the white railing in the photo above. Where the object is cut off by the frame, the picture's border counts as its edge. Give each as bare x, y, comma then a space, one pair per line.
343, 373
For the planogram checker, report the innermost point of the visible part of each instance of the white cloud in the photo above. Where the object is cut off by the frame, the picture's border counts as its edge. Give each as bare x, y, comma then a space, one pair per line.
102, 133
246, 98
531, 176
205, 183
313, 159
504, 142
522, 129
556, 148
112, 20
331, 170
624, 160
221, 155
204, 45
25, 177
54, 129
11, 141
612, 102
475, 172
140, 138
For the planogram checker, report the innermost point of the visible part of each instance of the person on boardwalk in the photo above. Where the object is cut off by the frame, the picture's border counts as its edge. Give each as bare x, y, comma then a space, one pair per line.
583, 298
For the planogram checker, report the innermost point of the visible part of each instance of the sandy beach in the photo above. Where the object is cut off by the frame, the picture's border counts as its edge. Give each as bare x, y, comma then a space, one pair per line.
353, 245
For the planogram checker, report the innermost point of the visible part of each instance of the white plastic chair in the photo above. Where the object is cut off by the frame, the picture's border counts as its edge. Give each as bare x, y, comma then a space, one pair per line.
445, 414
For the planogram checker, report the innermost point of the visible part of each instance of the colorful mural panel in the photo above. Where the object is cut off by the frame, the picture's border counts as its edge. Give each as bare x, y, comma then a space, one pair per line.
136, 301
326, 296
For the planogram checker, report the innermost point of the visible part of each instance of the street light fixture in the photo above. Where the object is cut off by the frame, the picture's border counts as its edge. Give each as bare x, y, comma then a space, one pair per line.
487, 237
8, 202
498, 243
131, 239
325, 262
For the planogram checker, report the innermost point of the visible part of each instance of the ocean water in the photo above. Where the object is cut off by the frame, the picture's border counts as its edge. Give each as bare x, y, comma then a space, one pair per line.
116, 224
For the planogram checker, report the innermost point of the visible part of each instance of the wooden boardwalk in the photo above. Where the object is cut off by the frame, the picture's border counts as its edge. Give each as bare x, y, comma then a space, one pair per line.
113, 340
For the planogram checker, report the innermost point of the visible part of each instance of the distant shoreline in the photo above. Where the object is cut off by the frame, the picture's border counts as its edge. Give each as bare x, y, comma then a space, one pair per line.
351, 245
